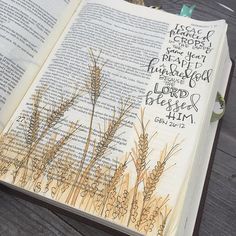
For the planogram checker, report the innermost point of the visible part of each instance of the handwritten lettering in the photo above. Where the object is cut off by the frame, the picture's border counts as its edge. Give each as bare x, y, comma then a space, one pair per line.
183, 62
170, 104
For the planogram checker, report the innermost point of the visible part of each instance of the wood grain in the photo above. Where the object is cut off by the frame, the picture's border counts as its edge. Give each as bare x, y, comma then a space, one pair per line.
219, 217
21, 216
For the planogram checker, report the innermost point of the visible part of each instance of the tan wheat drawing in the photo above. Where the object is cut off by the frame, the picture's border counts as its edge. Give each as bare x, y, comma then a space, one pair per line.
101, 147
139, 155
113, 192
94, 87
36, 134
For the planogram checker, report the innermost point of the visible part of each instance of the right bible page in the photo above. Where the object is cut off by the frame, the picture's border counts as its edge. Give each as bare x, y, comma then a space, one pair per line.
190, 206
114, 119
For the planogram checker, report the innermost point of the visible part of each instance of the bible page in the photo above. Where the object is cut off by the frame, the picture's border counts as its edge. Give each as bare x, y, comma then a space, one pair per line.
28, 31
112, 122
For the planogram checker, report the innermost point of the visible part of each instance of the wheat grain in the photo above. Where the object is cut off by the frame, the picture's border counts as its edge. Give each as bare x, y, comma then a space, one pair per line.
152, 180
96, 84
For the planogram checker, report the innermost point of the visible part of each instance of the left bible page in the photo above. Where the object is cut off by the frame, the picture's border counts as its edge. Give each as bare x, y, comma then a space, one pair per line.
28, 31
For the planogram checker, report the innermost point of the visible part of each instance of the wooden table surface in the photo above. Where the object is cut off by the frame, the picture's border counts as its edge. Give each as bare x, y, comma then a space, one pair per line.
21, 215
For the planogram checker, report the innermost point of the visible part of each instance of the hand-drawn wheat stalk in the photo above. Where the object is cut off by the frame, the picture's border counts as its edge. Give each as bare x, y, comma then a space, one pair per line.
100, 148
34, 123
154, 177
94, 87
139, 155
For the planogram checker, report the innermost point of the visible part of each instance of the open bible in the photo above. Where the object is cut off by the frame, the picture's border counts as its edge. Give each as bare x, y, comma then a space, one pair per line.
105, 109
